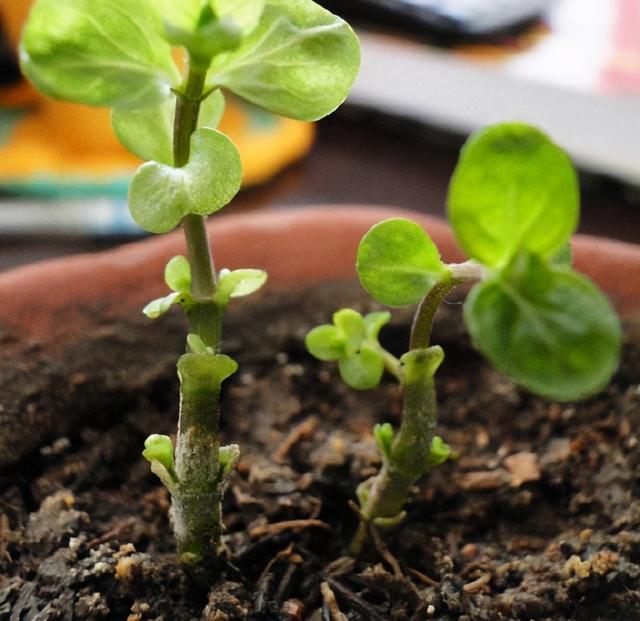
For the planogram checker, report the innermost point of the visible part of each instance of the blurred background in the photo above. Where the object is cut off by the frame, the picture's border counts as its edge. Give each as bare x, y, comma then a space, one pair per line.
433, 71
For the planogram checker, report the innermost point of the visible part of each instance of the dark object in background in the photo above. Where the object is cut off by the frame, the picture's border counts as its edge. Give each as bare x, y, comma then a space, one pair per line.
445, 18
9, 70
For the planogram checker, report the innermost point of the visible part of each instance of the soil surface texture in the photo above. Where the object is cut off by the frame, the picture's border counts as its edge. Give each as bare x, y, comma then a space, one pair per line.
537, 518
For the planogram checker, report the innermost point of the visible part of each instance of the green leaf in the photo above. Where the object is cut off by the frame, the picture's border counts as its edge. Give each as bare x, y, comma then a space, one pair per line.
398, 263
98, 52
513, 189
374, 322
159, 448
564, 256
197, 345
206, 40
439, 453
551, 330
203, 373
177, 274
160, 306
245, 14
238, 283
148, 132
326, 342
351, 324
300, 61
160, 195
363, 369
420, 363
383, 433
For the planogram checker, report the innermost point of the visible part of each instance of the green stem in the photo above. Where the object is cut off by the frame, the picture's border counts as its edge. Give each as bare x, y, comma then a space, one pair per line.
386, 494
196, 498
423, 319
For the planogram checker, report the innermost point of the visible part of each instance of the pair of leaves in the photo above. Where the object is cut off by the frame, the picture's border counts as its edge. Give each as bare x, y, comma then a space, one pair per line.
439, 452
291, 56
352, 340
177, 276
513, 203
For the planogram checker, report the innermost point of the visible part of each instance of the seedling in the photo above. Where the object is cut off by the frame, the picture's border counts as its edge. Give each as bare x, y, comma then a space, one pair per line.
291, 57
513, 204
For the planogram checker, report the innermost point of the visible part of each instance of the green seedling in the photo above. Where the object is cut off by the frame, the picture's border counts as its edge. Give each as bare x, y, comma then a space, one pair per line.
513, 204
291, 57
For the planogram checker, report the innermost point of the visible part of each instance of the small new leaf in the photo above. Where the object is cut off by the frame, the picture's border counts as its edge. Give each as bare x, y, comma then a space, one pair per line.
160, 306
148, 132
398, 263
326, 342
362, 370
203, 373
439, 453
383, 433
512, 190
300, 61
177, 274
158, 450
238, 283
160, 195
98, 53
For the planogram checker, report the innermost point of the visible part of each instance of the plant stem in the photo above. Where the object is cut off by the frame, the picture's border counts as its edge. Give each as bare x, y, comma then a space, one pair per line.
197, 520
423, 318
387, 493
196, 498
204, 316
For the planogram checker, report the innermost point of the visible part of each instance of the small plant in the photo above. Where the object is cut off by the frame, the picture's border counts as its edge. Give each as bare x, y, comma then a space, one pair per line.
291, 57
513, 204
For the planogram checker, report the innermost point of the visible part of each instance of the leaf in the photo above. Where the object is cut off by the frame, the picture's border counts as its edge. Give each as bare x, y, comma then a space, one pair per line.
383, 433
238, 283
197, 345
512, 190
245, 14
363, 369
160, 306
351, 324
148, 132
160, 195
550, 330
374, 322
564, 256
177, 274
159, 448
439, 453
203, 373
398, 263
300, 61
98, 52
326, 342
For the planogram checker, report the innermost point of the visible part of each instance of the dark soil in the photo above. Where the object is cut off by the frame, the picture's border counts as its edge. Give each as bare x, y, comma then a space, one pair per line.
538, 518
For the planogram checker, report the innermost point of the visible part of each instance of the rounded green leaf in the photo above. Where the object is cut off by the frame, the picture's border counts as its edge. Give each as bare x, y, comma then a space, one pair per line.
148, 132
177, 274
160, 195
326, 342
300, 61
398, 263
98, 52
363, 369
558, 335
350, 323
513, 189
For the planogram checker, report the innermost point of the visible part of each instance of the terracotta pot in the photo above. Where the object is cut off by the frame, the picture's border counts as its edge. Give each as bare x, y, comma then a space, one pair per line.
48, 309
